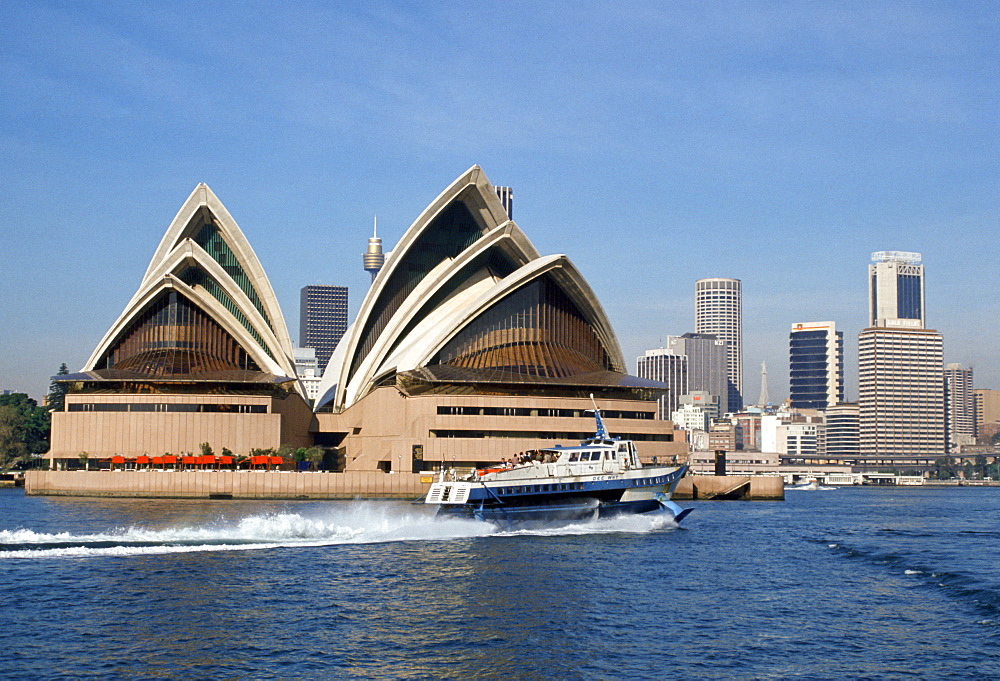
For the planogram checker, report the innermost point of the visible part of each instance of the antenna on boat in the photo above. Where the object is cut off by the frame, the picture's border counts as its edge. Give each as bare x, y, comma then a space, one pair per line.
602, 432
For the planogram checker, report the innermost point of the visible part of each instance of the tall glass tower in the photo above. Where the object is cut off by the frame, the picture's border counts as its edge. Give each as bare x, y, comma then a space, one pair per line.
322, 319
816, 365
718, 309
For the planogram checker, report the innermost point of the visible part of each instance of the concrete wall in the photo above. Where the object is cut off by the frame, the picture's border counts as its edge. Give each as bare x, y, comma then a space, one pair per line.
133, 433
226, 484
386, 424
760, 488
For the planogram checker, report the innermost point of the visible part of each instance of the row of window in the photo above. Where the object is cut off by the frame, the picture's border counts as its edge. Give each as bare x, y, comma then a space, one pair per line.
544, 435
565, 487
168, 407
525, 411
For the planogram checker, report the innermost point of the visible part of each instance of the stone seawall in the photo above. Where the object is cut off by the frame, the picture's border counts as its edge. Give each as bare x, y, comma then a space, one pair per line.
228, 484
741, 487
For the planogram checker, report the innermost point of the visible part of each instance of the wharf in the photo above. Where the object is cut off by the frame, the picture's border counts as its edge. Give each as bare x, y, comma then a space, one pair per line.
250, 484
731, 487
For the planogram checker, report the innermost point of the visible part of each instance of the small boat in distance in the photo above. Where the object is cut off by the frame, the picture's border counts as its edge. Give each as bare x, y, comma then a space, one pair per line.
599, 478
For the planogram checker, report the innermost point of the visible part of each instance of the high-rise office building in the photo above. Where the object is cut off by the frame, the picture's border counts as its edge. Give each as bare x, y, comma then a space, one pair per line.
901, 392
896, 290
960, 407
718, 310
668, 367
900, 364
322, 319
815, 365
842, 430
707, 367
987, 409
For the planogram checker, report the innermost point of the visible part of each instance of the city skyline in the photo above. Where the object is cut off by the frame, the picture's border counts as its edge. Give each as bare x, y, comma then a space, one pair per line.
775, 145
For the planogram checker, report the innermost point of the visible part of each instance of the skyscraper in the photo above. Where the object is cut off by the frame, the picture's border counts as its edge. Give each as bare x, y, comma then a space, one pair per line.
706, 365
896, 290
900, 364
960, 408
322, 319
718, 309
901, 392
667, 366
816, 365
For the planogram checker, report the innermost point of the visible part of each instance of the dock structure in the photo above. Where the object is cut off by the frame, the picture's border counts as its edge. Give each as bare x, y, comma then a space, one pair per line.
731, 487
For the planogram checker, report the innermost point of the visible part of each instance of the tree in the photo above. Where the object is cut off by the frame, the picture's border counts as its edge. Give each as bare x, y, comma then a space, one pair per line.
56, 399
314, 455
24, 428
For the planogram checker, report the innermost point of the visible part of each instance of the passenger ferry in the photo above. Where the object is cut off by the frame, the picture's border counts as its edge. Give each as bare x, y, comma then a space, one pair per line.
599, 478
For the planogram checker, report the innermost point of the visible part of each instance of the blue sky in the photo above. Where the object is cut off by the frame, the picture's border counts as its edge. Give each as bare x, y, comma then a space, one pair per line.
654, 143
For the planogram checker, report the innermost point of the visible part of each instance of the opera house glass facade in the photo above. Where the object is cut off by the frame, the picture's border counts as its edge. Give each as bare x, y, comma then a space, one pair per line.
470, 346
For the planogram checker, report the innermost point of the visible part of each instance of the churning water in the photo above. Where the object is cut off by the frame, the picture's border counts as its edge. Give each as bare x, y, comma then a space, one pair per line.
856, 583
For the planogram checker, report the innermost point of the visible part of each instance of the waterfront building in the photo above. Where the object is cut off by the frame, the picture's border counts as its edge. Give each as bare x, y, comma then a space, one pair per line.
669, 368
322, 320
470, 346
896, 290
901, 392
816, 365
707, 364
200, 354
719, 311
842, 430
960, 411
987, 411
798, 440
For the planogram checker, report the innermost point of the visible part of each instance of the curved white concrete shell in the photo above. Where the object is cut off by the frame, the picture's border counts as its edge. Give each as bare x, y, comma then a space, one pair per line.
227, 284
459, 260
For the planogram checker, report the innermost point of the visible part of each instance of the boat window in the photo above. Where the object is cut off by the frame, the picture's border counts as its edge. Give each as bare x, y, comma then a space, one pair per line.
596, 456
574, 456
612, 455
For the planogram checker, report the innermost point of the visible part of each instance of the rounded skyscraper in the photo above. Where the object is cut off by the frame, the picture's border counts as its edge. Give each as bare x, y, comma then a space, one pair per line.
718, 309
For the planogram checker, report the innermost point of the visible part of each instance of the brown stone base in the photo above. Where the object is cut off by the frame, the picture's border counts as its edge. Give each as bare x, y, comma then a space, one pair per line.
228, 484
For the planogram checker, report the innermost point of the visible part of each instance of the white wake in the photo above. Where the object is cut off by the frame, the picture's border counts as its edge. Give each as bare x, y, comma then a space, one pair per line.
344, 523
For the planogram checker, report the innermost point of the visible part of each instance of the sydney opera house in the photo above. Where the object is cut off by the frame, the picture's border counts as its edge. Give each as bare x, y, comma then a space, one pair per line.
469, 346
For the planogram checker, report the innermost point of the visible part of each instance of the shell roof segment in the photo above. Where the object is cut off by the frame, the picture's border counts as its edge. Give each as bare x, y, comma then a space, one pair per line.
225, 299
464, 268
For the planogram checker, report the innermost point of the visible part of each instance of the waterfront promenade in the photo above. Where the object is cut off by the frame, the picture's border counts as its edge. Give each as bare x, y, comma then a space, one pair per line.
223, 484
250, 484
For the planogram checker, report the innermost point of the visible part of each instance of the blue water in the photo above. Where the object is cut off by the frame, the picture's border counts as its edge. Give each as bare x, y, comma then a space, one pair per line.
844, 583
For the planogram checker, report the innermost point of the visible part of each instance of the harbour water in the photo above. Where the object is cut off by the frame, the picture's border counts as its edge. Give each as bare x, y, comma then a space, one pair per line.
843, 583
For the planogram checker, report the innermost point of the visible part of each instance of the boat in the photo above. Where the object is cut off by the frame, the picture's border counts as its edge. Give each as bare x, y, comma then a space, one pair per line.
599, 478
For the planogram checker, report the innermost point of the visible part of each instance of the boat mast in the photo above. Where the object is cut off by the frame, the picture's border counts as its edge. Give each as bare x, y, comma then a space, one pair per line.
602, 432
